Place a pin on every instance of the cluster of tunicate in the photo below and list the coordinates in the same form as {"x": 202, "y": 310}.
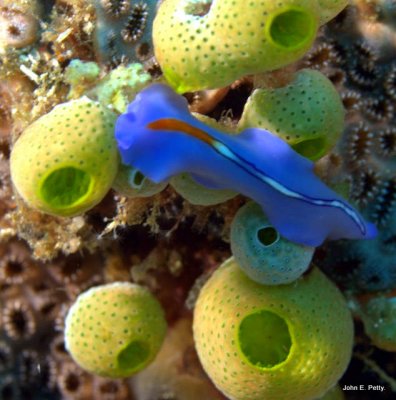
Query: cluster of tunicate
{"x": 307, "y": 113}
{"x": 210, "y": 44}
{"x": 123, "y": 30}
{"x": 65, "y": 162}
{"x": 356, "y": 53}
{"x": 255, "y": 163}
{"x": 272, "y": 342}
{"x": 115, "y": 330}
{"x": 262, "y": 253}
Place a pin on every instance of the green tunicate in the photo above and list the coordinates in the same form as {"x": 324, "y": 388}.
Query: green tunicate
{"x": 201, "y": 45}
{"x": 262, "y": 253}
{"x": 65, "y": 162}
{"x": 330, "y": 8}
{"x": 308, "y": 113}
{"x": 197, "y": 194}
{"x": 130, "y": 182}
{"x": 379, "y": 318}
{"x": 272, "y": 342}
{"x": 115, "y": 330}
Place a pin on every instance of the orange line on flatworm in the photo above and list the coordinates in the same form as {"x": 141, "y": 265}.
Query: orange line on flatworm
{"x": 172, "y": 124}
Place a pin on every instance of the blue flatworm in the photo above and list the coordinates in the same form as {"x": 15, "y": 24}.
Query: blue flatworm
{"x": 159, "y": 136}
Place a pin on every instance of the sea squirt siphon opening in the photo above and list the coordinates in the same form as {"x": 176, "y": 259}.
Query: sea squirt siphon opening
{"x": 65, "y": 186}
{"x": 291, "y": 28}
{"x": 312, "y": 149}
{"x": 267, "y": 236}
{"x": 264, "y": 339}
{"x": 133, "y": 355}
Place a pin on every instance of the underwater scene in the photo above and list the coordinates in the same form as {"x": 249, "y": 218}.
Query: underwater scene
{"x": 197, "y": 199}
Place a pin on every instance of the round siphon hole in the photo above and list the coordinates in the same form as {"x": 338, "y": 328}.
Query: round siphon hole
{"x": 267, "y": 236}
{"x": 312, "y": 149}
{"x": 291, "y": 28}
{"x": 133, "y": 355}
{"x": 264, "y": 339}
{"x": 65, "y": 186}
{"x": 137, "y": 179}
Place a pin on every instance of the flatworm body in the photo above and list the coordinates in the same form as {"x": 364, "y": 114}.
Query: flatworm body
{"x": 159, "y": 136}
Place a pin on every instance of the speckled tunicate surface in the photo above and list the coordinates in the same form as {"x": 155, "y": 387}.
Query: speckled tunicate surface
{"x": 210, "y": 44}
{"x": 65, "y": 162}
{"x": 260, "y": 251}
{"x": 115, "y": 330}
{"x": 198, "y": 194}
{"x": 309, "y": 319}
{"x": 307, "y": 113}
